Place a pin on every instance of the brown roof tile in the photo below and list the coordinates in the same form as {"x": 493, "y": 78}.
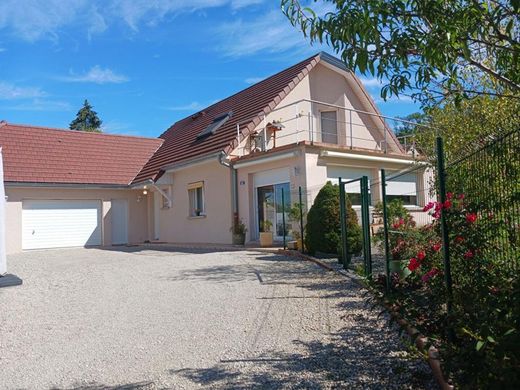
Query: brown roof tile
{"x": 180, "y": 140}
{"x": 45, "y": 155}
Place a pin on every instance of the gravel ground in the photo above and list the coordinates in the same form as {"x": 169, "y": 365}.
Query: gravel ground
{"x": 151, "y": 318}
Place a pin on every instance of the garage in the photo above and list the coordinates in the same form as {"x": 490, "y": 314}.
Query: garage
{"x": 60, "y": 223}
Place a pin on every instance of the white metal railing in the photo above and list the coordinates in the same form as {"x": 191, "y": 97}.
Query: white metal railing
{"x": 303, "y": 121}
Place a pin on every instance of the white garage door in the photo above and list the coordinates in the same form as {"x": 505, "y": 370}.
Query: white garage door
{"x": 60, "y": 223}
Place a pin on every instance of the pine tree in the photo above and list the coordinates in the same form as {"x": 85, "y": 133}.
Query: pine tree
{"x": 86, "y": 119}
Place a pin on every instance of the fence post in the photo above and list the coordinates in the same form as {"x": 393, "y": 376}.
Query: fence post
{"x": 441, "y": 173}
{"x": 283, "y": 220}
{"x": 385, "y": 229}
{"x": 365, "y": 223}
{"x": 343, "y": 224}
{"x": 301, "y": 217}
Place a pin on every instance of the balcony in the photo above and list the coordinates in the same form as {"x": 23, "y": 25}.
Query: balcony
{"x": 326, "y": 124}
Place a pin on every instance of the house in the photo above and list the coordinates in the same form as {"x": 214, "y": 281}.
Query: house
{"x": 309, "y": 123}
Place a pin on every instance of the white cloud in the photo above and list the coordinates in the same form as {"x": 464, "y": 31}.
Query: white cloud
{"x": 41, "y": 105}
{"x": 271, "y": 33}
{"x": 10, "y": 91}
{"x": 237, "y": 4}
{"x": 371, "y": 82}
{"x": 38, "y": 19}
{"x": 193, "y": 106}
{"x": 97, "y": 75}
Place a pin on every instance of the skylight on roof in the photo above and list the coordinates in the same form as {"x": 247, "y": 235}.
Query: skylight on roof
{"x": 216, "y": 124}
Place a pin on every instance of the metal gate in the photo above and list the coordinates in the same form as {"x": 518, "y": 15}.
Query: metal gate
{"x": 365, "y": 223}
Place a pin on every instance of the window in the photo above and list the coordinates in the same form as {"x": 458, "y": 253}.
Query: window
{"x": 215, "y": 125}
{"x": 196, "y": 197}
{"x": 403, "y": 187}
{"x": 329, "y": 127}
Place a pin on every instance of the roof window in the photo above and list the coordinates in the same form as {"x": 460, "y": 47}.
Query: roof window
{"x": 215, "y": 125}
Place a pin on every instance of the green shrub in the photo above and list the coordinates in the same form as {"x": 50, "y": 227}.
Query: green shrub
{"x": 323, "y": 230}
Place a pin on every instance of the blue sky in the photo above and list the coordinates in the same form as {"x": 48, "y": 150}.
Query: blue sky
{"x": 142, "y": 64}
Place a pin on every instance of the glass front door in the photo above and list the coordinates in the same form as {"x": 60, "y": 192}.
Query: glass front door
{"x": 271, "y": 209}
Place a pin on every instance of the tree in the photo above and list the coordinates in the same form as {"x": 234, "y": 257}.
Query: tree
{"x": 86, "y": 119}
{"x": 425, "y": 47}
{"x": 467, "y": 125}
{"x": 323, "y": 230}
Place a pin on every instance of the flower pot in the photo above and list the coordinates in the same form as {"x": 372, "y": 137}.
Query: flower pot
{"x": 400, "y": 266}
{"x": 239, "y": 239}
{"x": 266, "y": 238}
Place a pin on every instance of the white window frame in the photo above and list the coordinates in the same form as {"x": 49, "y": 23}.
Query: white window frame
{"x": 323, "y": 134}
{"x": 193, "y": 205}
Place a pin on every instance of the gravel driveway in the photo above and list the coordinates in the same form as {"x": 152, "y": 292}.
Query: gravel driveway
{"x": 150, "y": 318}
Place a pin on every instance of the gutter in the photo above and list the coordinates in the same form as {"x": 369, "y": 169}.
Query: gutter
{"x": 234, "y": 183}
{"x": 195, "y": 161}
{"x": 265, "y": 159}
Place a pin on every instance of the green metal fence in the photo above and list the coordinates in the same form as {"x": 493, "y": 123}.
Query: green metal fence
{"x": 492, "y": 194}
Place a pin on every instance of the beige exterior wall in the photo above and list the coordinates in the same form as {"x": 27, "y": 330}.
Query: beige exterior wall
{"x": 175, "y": 225}
{"x": 137, "y": 213}
{"x": 302, "y": 120}
{"x": 247, "y": 207}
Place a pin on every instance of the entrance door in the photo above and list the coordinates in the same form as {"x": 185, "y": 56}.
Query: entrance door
{"x": 119, "y": 212}
{"x": 271, "y": 210}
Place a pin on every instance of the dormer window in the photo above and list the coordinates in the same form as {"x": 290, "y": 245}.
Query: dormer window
{"x": 215, "y": 125}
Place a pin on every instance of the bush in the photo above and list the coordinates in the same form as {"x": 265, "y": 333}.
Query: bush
{"x": 323, "y": 230}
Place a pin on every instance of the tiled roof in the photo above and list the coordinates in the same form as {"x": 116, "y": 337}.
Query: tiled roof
{"x": 181, "y": 142}
{"x": 45, "y": 155}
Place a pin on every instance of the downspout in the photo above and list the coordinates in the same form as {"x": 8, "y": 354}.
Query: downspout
{"x": 234, "y": 185}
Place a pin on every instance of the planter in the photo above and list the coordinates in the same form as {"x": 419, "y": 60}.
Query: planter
{"x": 400, "y": 266}
{"x": 239, "y": 239}
{"x": 266, "y": 238}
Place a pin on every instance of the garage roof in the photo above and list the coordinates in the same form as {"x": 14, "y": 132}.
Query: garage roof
{"x": 45, "y": 155}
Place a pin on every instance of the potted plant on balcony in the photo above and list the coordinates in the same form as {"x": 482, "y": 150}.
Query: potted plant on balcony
{"x": 266, "y": 236}
{"x": 239, "y": 232}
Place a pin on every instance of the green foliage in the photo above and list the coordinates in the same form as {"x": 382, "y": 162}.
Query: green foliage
{"x": 86, "y": 119}
{"x": 420, "y": 45}
{"x": 238, "y": 227}
{"x": 467, "y": 125}
{"x": 402, "y": 232}
{"x": 323, "y": 229}
{"x": 295, "y": 216}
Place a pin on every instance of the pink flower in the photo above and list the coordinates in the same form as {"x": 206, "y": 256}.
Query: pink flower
{"x": 429, "y": 206}
{"x": 414, "y": 264}
{"x": 447, "y": 204}
{"x": 436, "y": 247}
{"x": 469, "y": 254}
{"x": 460, "y": 196}
{"x": 459, "y": 239}
{"x": 430, "y": 274}
{"x": 421, "y": 256}
{"x": 449, "y": 195}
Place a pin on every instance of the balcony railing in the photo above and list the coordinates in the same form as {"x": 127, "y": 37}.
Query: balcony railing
{"x": 324, "y": 123}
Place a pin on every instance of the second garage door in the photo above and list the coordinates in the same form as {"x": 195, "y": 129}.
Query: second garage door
{"x": 60, "y": 223}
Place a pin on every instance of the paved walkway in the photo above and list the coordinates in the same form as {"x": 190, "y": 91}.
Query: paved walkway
{"x": 144, "y": 318}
